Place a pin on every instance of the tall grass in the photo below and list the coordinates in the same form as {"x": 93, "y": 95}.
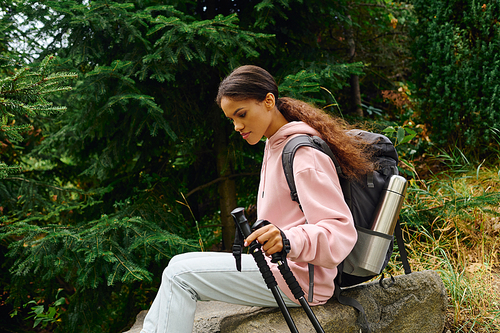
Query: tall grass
{"x": 451, "y": 223}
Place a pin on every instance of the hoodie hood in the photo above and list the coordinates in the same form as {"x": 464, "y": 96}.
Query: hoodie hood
{"x": 274, "y": 147}
{"x": 293, "y": 128}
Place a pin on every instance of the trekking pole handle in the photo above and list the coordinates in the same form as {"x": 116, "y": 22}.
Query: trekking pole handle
{"x": 255, "y": 249}
{"x": 241, "y": 221}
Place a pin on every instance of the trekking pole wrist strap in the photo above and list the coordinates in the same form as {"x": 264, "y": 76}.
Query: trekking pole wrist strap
{"x": 281, "y": 256}
{"x": 286, "y": 243}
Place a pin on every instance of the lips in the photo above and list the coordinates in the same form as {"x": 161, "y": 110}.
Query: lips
{"x": 245, "y": 135}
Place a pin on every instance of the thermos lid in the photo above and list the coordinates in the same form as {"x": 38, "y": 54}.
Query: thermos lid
{"x": 397, "y": 184}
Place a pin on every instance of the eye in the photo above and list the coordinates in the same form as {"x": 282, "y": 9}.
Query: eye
{"x": 242, "y": 114}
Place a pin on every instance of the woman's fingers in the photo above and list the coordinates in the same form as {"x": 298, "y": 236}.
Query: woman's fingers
{"x": 269, "y": 236}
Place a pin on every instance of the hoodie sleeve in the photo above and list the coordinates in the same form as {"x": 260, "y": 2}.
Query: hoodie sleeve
{"x": 329, "y": 235}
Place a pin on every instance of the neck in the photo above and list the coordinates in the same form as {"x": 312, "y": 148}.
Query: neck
{"x": 277, "y": 122}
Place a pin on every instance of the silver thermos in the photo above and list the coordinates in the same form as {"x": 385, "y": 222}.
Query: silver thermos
{"x": 391, "y": 202}
{"x": 367, "y": 257}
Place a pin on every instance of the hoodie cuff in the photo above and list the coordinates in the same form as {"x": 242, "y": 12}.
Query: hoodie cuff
{"x": 293, "y": 249}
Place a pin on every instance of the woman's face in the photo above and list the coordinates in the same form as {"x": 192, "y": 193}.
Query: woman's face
{"x": 251, "y": 119}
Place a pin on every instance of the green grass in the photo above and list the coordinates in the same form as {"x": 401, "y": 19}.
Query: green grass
{"x": 451, "y": 222}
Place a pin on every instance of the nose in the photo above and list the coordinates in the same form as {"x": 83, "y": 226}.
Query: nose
{"x": 238, "y": 126}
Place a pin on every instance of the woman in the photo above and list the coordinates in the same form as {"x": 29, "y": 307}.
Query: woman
{"x": 322, "y": 234}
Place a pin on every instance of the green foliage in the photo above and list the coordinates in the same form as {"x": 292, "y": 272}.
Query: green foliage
{"x": 374, "y": 33}
{"x": 401, "y": 134}
{"x": 23, "y": 93}
{"x": 108, "y": 186}
{"x": 118, "y": 248}
{"x": 311, "y": 84}
{"x": 456, "y": 46}
{"x": 23, "y": 96}
{"x": 45, "y": 317}
{"x": 8, "y": 29}
{"x": 402, "y": 137}
{"x": 100, "y": 207}
{"x": 203, "y": 39}
{"x": 93, "y": 257}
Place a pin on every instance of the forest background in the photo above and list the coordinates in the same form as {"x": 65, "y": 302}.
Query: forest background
{"x": 115, "y": 157}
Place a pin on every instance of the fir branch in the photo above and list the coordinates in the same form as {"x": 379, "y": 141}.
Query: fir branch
{"x": 13, "y": 132}
{"x": 22, "y": 94}
{"x": 5, "y": 170}
{"x": 109, "y": 245}
{"x": 38, "y": 183}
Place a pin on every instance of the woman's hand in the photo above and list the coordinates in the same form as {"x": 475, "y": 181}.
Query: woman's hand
{"x": 270, "y": 238}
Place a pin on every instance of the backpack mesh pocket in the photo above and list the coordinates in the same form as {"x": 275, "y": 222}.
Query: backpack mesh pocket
{"x": 370, "y": 253}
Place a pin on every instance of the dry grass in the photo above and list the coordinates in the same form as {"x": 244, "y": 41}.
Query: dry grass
{"x": 452, "y": 225}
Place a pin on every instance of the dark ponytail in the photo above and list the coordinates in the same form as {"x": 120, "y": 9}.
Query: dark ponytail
{"x": 352, "y": 154}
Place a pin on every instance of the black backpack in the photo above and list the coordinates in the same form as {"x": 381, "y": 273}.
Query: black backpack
{"x": 362, "y": 199}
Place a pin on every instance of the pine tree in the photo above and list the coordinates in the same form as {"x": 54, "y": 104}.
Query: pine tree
{"x": 101, "y": 226}
{"x": 48, "y": 242}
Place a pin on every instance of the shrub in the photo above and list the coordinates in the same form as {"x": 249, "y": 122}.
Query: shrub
{"x": 456, "y": 49}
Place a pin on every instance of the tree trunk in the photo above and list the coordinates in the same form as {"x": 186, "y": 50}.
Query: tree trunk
{"x": 356, "y": 96}
{"x": 354, "y": 81}
{"x": 227, "y": 189}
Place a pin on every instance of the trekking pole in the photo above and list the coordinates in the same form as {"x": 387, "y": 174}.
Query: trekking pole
{"x": 298, "y": 293}
{"x": 255, "y": 249}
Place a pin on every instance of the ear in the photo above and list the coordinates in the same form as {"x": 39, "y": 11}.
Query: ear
{"x": 270, "y": 101}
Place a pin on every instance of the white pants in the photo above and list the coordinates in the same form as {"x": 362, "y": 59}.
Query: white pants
{"x": 205, "y": 276}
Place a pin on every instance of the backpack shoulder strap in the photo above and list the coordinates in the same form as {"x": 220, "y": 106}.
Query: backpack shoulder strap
{"x": 344, "y": 300}
{"x": 289, "y": 152}
{"x": 402, "y": 249}
{"x": 287, "y": 160}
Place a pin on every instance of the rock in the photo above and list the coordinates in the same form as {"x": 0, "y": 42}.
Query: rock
{"x": 207, "y": 318}
{"x": 210, "y": 314}
{"x": 139, "y": 319}
{"x": 415, "y": 303}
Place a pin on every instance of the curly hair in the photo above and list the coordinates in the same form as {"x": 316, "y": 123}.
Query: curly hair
{"x": 253, "y": 82}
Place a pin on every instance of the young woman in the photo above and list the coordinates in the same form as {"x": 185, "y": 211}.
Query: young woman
{"x": 322, "y": 233}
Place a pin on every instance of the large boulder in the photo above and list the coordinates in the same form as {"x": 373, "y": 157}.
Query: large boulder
{"x": 414, "y": 303}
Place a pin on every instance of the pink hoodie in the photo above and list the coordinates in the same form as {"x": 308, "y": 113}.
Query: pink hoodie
{"x": 329, "y": 234}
